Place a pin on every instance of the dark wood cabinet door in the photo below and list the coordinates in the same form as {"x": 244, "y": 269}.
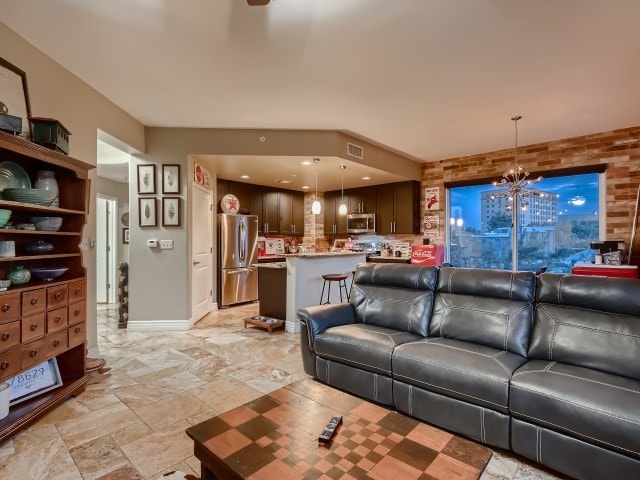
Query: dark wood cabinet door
{"x": 256, "y": 205}
{"x": 407, "y": 207}
{"x": 221, "y": 190}
{"x": 271, "y": 214}
{"x": 369, "y": 199}
{"x": 242, "y": 191}
{"x": 386, "y": 211}
{"x": 285, "y": 213}
{"x": 297, "y": 212}
{"x": 330, "y": 212}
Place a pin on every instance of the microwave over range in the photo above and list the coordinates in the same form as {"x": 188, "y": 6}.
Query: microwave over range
{"x": 361, "y": 223}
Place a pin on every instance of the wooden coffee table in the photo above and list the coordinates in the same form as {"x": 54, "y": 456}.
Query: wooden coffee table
{"x": 275, "y": 437}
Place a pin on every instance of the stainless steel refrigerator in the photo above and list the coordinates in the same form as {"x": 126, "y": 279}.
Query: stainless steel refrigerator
{"x": 237, "y": 259}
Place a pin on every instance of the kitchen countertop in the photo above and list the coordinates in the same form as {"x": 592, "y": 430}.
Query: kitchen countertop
{"x": 381, "y": 259}
{"x": 321, "y": 254}
{"x": 272, "y": 265}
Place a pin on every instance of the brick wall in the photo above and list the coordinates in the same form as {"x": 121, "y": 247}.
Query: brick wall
{"x": 618, "y": 151}
{"x": 313, "y": 224}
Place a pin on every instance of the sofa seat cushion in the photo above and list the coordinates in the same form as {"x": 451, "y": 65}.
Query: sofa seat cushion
{"x": 587, "y": 404}
{"x": 368, "y": 347}
{"x": 467, "y": 371}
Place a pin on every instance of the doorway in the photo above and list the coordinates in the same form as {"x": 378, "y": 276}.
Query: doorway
{"x": 202, "y": 248}
{"x": 106, "y": 248}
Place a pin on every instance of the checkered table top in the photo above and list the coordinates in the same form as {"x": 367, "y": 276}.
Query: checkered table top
{"x": 275, "y": 436}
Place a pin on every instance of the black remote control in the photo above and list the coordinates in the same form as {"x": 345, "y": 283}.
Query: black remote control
{"x": 327, "y": 433}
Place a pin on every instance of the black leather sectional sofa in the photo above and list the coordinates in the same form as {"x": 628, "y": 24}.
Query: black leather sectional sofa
{"x": 547, "y": 366}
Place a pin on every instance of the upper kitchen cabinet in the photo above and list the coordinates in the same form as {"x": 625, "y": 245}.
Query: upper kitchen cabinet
{"x": 242, "y": 192}
{"x": 291, "y": 212}
{"x": 362, "y": 200}
{"x": 334, "y": 223}
{"x": 398, "y": 208}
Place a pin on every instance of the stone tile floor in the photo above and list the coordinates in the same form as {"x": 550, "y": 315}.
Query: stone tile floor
{"x": 131, "y": 424}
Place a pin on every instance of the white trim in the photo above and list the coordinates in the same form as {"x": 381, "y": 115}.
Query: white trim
{"x": 94, "y": 352}
{"x": 292, "y": 327}
{"x": 159, "y": 325}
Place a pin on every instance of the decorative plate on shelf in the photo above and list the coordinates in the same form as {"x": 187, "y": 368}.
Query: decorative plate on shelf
{"x": 13, "y": 175}
{"x": 230, "y": 204}
{"x": 125, "y": 219}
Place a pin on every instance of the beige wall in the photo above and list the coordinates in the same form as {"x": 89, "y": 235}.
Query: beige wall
{"x": 55, "y": 92}
{"x": 120, "y": 191}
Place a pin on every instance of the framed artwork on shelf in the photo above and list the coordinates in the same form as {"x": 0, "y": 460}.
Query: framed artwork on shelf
{"x": 146, "y": 179}
{"x": 147, "y": 212}
{"x": 125, "y": 235}
{"x": 34, "y": 381}
{"x": 170, "y": 211}
{"x": 171, "y": 179}
{"x": 15, "y": 97}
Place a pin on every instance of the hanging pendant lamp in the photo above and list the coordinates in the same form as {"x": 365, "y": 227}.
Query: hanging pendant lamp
{"x": 316, "y": 207}
{"x": 342, "y": 209}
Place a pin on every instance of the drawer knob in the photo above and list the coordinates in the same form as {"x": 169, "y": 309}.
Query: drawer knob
{"x": 33, "y": 353}
{"x": 58, "y": 318}
{"x": 34, "y": 327}
{"x": 6, "y": 307}
{"x": 77, "y": 330}
{"x": 76, "y": 312}
{"x": 34, "y": 301}
{"x": 5, "y": 337}
{"x": 56, "y": 343}
{"x": 58, "y": 296}
{"x": 4, "y": 366}
{"x": 77, "y": 291}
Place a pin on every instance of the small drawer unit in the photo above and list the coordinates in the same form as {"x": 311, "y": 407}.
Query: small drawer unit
{"x": 9, "y": 307}
{"x": 33, "y": 353}
{"x": 77, "y": 334}
{"x": 33, "y": 327}
{"x": 77, "y": 313}
{"x": 56, "y": 343}
{"x": 57, "y": 320}
{"x": 10, "y": 363}
{"x": 34, "y": 301}
{"x": 77, "y": 291}
{"x": 9, "y": 335}
{"x": 57, "y": 296}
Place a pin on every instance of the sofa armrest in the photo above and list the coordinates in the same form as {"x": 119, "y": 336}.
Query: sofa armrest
{"x": 320, "y": 317}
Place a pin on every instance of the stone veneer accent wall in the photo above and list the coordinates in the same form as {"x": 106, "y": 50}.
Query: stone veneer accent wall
{"x": 617, "y": 150}
{"x": 313, "y": 224}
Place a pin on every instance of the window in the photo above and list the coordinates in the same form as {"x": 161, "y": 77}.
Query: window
{"x": 554, "y": 231}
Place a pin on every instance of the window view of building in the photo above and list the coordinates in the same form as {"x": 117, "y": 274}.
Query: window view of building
{"x": 554, "y": 231}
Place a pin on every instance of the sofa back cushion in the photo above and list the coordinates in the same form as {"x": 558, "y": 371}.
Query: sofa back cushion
{"x": 397, "y": 296}
{"x": 591, "y": 322}
{"x": 488, "y": 307}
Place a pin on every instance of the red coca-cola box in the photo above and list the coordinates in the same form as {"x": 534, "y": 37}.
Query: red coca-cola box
{"x": 427, "y": 254}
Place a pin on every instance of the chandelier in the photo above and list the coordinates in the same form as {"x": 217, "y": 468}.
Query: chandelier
{"x": 316, "y": 207}
{"x": 515, "y": 183}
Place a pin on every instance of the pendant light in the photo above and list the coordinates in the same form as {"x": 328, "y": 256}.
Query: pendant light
{"x": 342, "y": 209}
{"x": 315, "y": 206}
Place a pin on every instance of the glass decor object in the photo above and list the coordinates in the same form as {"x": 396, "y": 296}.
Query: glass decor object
{"x": 46, "y": 180}
{"x": 19, "y": 275}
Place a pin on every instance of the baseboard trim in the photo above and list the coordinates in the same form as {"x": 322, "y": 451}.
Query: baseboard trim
{"x": 159, "y": 325}
{"x": 292, "y": 327}
{"x": 94, "y": 352}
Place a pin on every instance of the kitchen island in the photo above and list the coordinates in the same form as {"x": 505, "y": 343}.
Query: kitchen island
{"x": 304, "y": 279}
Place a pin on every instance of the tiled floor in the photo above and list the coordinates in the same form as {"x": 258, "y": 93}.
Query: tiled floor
{"x": 131, "y": 424}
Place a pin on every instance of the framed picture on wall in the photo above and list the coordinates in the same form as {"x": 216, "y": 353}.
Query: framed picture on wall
{"x": 146, "y": 179}
{"x": 147, "y": 212}
{"x": 170, "y": 211}
{"x": 15, "y": 96}
{"x": 171, "y": 179}
{"x": 125, "y": 235}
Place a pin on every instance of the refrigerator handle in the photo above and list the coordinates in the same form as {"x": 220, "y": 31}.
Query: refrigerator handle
{"x": 243, "y": 243}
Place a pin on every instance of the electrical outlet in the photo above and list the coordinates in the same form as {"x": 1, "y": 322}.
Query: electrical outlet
{"x": 166, "y": 244}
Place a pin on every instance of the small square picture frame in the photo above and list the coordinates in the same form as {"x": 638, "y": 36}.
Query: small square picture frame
{"x": 171, "y": 211}
{"x": 147, "y": 212}
{"x": 146, "y": 179}
{"x": 125, "y": 235}
{"x": 171, "y": 178}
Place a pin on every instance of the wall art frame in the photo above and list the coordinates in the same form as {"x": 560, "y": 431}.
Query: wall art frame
{"x": 147, "y": 212}
{"x": 125, "y": 235}
{"x": 171, "y": 178}
{"x": 171, "y": 211}
{"x": 147, "y": 179}
{"x": 14, "y": 96}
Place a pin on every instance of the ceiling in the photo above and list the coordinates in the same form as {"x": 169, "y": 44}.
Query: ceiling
{"x": 433, "y": 79}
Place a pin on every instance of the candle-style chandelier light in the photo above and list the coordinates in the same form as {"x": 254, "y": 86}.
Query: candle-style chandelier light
{"x": 514, "y": 185}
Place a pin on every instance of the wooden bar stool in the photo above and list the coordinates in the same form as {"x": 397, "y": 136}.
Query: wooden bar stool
{"x": 334, "y": 277}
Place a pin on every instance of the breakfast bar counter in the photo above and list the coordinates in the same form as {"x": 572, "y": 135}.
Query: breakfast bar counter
{"x": 304, "y": 279}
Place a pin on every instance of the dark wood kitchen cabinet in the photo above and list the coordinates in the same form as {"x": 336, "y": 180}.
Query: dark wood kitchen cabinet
{"x": 398, "y": 208}
{"x": 280, "y": 212}
{"x": 291, "y": 212}
{"x": 334, "y": 223}
{"x": 239, "y": 189}
{"x": 362, "y": 200}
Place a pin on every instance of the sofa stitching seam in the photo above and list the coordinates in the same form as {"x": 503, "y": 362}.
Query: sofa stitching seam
{"x": 435, "y": 365}
{"x": 580, "y": 378}
{"x": 373, "y": 367}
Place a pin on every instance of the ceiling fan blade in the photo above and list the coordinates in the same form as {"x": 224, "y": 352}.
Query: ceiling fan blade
{"x": 256, "y": 3}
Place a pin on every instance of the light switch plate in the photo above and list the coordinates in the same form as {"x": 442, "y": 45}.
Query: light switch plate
{"x": 166, "y": 244}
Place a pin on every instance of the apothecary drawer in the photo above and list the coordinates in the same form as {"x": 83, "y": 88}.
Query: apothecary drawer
{"x": 77, "y": 291}
{"x": 9, "y": 307}
{"x": 9, "y": 363}
{"x": 33, "y": 353}
{"x": 77, "y": 312}
{"x": 9, "y": 335}
{"x": 57, "y": 320}
{"x": 77, "y": 334}
{"x": 57, "y": 296}
{"x": 34, "y": 301}
{"x": 56, "y": 343}
{"x": 33, "y": 327}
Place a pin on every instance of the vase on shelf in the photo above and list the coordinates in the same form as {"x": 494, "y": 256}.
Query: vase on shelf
{"x": 46, "y": 180}
{"x": 19, "y": 275}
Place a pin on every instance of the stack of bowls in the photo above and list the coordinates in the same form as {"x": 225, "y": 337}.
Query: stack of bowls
{"x": 51, "y": 224}
{"x": 36, "y": 196}
{"x": 4, "y": 216}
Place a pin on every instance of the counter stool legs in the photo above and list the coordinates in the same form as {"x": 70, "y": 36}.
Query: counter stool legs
{"x": 342, "y": 283}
